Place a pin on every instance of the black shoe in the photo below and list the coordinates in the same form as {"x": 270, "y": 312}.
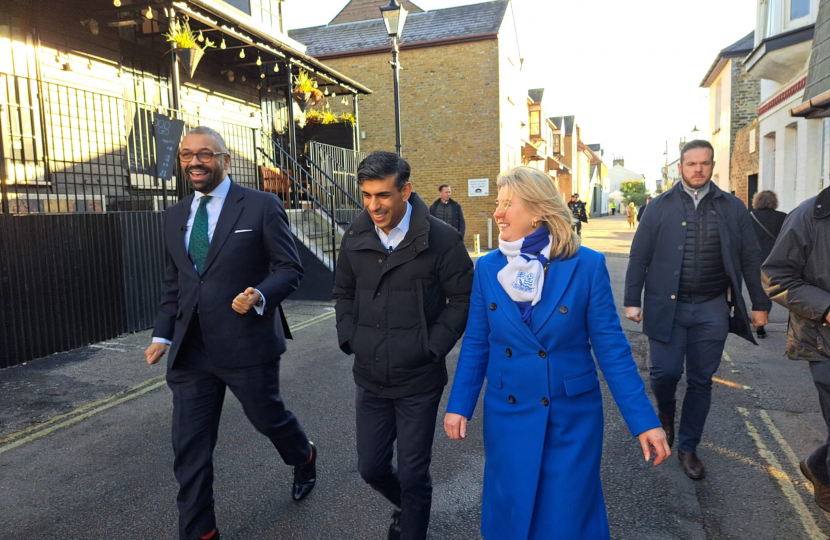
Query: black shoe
{"x": 395, "y": 527}
{"x": 667, "y": 423}
{"x": 305, "y": 476}
{"x": 692, "y": 465}
{"x": 761, "y": 333}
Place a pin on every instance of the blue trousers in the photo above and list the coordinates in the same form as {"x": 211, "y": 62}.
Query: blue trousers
{"x": 198, "y": 395}
{"x": 698, "y": 334}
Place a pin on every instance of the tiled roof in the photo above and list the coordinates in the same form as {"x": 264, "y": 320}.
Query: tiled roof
{"x": 536, "y": 95}
{"x": 739, "y": 49}
{"x": 457, "y": 22}
{"x": 818, "y": 78}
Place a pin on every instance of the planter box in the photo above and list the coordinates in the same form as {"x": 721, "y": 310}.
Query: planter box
{"x": 341, "y": 135}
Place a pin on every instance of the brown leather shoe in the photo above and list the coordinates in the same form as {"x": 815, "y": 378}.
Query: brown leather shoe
{"x": 692, "y": 465}
{"x": 667, "y": 422}
{"x": 821, "y": 491}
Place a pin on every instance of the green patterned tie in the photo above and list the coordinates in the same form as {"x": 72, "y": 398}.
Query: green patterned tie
{"x": 199, "y": 241}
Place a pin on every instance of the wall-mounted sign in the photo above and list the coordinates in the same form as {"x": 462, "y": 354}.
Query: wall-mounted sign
{"x": 167, "y": 133}
{"x": 478, "y": 187}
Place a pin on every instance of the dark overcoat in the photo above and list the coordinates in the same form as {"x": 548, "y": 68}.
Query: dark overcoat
{"x": 657, "y": 256}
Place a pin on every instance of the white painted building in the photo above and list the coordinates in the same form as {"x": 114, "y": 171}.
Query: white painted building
{"x": 792, "y": 148}
{"x": 619, "y": 174}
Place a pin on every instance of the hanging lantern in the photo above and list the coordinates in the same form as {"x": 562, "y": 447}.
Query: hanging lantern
{"x": 258, "y": 60}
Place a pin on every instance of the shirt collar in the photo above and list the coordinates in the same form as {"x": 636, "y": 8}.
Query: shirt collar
{"x": 702, "y": 192}
{"x": 403, "y": 226}
{"x": 219, "y": 192}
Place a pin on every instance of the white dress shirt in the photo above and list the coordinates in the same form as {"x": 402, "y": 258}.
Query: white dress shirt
{"x": 214, "y": 208}
{"x": 397, "y": 234}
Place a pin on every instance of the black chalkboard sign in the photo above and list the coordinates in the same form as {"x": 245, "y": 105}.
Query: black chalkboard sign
{"x": 139, "y": 157}
{"x": 167, "y": 133}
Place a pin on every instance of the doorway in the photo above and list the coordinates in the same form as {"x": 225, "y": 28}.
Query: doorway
{"x": 752, "y": 189}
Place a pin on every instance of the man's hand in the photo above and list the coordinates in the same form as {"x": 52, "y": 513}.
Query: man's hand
{"x": 654, "y": 440}
{"x": 634, "y": 314}
{"x": 759, "y": 318}
{"x": 154, "y": 353}
{"x": 243, "y": 303}
{"x": 455, "y": 425}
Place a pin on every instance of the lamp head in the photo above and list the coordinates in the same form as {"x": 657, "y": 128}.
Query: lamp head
{"x": 394, "y": 17}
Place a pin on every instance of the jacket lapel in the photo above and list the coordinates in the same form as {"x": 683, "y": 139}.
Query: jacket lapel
{"x": 179, "y": 215}
{"x": 227, "y": 219}
{"x": 556, "y": 283}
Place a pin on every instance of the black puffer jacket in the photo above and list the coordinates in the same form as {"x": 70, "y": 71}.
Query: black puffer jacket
{"x": 702, "y": 276}
{"x": 392, "y": 309}
{"x": 797, "y": 275}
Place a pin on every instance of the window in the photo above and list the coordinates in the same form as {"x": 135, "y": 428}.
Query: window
{"x": 534, "y": 124}
{"x": 718, "y": 107}
{"x": 557, "y": 144}
{"x": 799, "y": 9}
{"x": 267, "y": 12}
{"x": 770, "y": 18}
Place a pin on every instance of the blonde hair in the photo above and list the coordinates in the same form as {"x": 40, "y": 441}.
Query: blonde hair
{"x": 540, "y": 197}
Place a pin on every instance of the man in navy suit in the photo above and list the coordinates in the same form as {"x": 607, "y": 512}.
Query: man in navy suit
{"x": 230, "y": 262}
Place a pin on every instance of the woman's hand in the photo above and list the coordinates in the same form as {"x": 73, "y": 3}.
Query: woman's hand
{"x": 456, "y": 426}
{"x": 653, "y": 439}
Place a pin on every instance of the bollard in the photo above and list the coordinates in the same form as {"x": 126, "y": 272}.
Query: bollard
{"x": 478, "y": 244}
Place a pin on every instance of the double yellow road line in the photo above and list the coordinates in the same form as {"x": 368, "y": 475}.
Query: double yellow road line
{"x": 83, "y": 412}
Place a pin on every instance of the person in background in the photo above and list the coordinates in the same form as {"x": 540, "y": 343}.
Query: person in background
{"x": 642, "y": 209}
{"x": 767, "y": 221}
{"x": 796, "y": 276}
{"x": 579, "y": 212}
{"x": 631, "y": 213}
{"x": 448, "y": 210}
{"x": 613, "y": 207}
{"x": 540, "y": 305}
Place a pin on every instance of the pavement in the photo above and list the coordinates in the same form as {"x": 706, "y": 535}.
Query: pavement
{"x": 85, "y": 451}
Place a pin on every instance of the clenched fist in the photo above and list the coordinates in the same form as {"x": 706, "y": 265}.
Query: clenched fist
{"x": 243, "y": 303}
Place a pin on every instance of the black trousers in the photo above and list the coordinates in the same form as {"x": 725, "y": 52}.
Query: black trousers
{"x": 410, "y": 420}
{"x": 198, "y": 394}
{"x": 819, "y": 460}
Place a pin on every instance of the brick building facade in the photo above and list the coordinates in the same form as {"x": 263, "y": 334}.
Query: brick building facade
{"x": 461, "y": 98}
{"x": 744, "y": 165}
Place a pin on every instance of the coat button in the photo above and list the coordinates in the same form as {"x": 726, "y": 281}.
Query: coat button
{"x": 378, "y": 294}
{"x": 380, "y": 261}
{"x": 377, "y": 326}
{"x": 543, "y": 354}
{"x": 377, "y": 360}
{"x": 680, "y": 248}
{"x": 677, "y": 272}
{"x": 545, "y": 401}
{"x": 563, "y": 309}
{"x": 493, "y": 306}
{"x": 511, "y": 399}
{"x": 684, "y": 223}
{"x": 673, "y": 297}
{"x": 508, "y": 352}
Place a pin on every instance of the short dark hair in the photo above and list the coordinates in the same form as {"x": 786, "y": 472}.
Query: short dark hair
{"x": 765, "y": 200}
{"x": 379, "y": 165}
{"x": 440, "y": 189}
{"x": 697, "y": 143}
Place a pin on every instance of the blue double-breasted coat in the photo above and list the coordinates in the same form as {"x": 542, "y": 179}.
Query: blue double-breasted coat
{"x": 543, "y": 419}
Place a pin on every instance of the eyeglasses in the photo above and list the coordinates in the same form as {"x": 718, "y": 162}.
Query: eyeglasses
{"x": 204, "y": 156}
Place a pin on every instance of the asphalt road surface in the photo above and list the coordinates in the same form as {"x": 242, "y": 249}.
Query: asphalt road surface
{"x": 85, "y": 451}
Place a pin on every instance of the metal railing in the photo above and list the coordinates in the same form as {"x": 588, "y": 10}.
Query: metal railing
{"x": 339, "y": 166}
{"x": 307, "y": 201}
{"x": 71, "y": 150}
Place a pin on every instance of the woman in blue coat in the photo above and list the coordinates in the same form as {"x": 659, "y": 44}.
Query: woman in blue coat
{"x": 539, "y": 305}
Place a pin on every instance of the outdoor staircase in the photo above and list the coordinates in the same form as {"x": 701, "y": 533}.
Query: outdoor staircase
{"x": 320, "y": 193}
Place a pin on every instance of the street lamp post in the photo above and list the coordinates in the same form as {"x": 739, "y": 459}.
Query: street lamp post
{"x": 394, "y": 17}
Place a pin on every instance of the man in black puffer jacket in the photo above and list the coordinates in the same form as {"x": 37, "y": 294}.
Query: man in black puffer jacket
{"x": 402, "y": 287}
{"x": 691, "y": 251}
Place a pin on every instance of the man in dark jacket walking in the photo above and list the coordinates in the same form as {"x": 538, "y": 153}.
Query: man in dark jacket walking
{"x": 691, "y": 251}
{"x": 402, "y": 288}
{"x": 796, "y": 276}
{"x": 448, "y": 210}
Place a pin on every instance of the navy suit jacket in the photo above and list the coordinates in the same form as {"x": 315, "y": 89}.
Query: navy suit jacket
{"x": 252, "y": 246}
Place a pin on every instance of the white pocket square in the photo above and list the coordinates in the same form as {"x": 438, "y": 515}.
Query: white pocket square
{"x": 243, "y": 230}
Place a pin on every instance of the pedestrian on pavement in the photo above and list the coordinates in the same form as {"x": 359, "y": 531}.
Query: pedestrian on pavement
{"x": 642, "y": 209}
{"x": 692, "y": 250}
{"x": 448, "y": 210}
{"x": 613, "y": 207}
{"x": 402, "y": 288}
{"x": 540, "y": 305}
{"x": 767, "y": 221}
{"x": 579, "y": 212}
{"x": 796, "y": 276}
{"x": 230, "y": 262}
{"x": 631, "y": 214}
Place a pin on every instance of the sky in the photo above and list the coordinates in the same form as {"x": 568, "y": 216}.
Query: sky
{"x": 629, "y": 71}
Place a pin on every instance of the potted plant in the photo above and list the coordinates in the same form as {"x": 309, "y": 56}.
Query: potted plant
{"x": 305, "y": 91}
{"x": 187, "y": 48}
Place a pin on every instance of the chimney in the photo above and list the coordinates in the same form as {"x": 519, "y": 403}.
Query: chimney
{"x": 619, "y": 160}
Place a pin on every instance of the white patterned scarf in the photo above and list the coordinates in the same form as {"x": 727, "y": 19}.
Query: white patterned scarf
{"x": 524, "y": 276}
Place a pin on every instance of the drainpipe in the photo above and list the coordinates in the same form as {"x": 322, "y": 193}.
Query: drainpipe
{"x": 292, "y": 132}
